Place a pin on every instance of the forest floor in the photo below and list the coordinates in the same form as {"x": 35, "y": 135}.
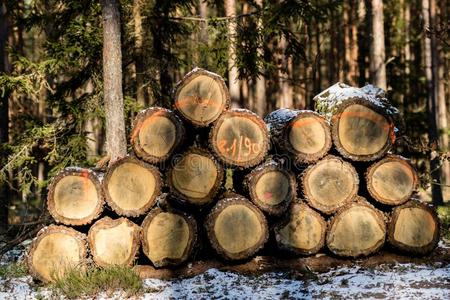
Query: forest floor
{"x": 400, "y": 281}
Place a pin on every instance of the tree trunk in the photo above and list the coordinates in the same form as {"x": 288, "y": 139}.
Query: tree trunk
{"x": 116, "y": 145}
{"x": 203, "y": 36}
{"x": 168, "y": 237}
{"x": 131, "y": 186}
{"x": 4, "y": 113}
{"x": 157, "y": 132}
{"x": 330, "y": 184}
{"x": 138, "y": 54}
{"x": 236, "y": 228}
{"x": 303, "y": 230}
{"x": 362, "y": 122}
{"x": 358, "y": 229}
{"x": 302, "y": 133}
{"x": 414, "y": 228}
{"x": 114, "y": 242}
{"x": 201, "y": 97}
{"x": 377, "y": 49}
{"x": 433, "y": 134}
{"x": 271, "y": 187}
{"x": 260, "y": 85}
{"x": 75, "y": 196}
{"x": 196, "y": 177}
{"x": 392, "y": 180}
{"x": 55, "y": 251}
{"x": 233, "y": 79}
{"x": 438, "y": 55}
{"x": 240, "y": 138}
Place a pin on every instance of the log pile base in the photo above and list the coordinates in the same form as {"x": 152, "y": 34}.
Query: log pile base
{"x": 319, "y": 263}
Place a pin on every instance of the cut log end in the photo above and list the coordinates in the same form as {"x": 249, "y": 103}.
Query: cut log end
{"x": 168, "y": 237}
{"x": 156, "y": 133}
{"x": 330, "y": 184}
{"x": 201, "y": 97}
{"x": 392, "y": 180}
{"x": 271, "y": 187}
{"x": 303, "y": 232}
{"x": 114, "y": 242}
{"x": 361, "y": 131}
{"x": 55, "y": 251}
{"x": 236, "y": 228}
{"x": 131, "y": 186}
{"x": 414, "y": 228}
{"x": 358, "y": 229}
{"x": 240, "y": 138}
{"x": 309, "y": 137}
{"x": 196, "y": 177}
{"x": 75, "y": 197}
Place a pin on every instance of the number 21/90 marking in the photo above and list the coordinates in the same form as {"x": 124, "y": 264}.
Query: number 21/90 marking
{"x": 243, "y": 146}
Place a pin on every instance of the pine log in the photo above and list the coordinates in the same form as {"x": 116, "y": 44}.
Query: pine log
{"x": 271, "y": 187}
{"x": 168, "y": 237}
{"x": 357, "y": 229}
{"x": 131, "y": 186}
{"x": 362, "y": 125}
{"x": 236, "y": 228}
{"x": 201, "y": 97}
{"x": 75, "y": 196}
{"x": 330, "y": 184}
{"x": 240, "y": 138}
{"x": 392, "y": 180}
{"x": 55, "y": 251}
{"x": 196, "y": 177}
{"x": 302, "y": 232}
{"x": 157, "y": 132}
{"x": 414, "y": 228}
{"x": 302, "y": 133}
{"x": 114, "y": 242}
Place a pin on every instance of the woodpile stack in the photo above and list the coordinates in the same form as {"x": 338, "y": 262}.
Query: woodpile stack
{"x": 204, "y": 180}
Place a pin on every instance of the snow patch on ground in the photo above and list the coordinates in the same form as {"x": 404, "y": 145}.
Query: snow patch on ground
{"x": 403, "y": 281}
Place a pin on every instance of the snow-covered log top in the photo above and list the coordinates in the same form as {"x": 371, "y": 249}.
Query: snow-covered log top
{"x": 328, "y": 101}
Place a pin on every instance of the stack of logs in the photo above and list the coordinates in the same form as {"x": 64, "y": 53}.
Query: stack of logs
{"x": 205, "y": 180}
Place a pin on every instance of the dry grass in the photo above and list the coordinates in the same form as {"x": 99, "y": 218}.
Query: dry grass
{"x": 77, "y": 283}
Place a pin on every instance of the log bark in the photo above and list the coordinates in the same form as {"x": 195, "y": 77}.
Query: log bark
{"x": 236, "y": 228}
{"x": 157, "y": 132}
{"x": 131, "y": 186}
{"x": 114, "y": 242}
{"x": 75, "y": 196}
{"x": 55, "y": 251}
{"x": 362, "y": 121}
{"x": 302, "y": 133}
{"x": 330, "y": 184}
{"x": 414, "y": 228}
{"x": 358, "y": 229}
{"x": 201, "y": 97}
{"x": 196, "y": 177}
{"x": 239, "y": 138}
{"x": 302, "y": 232}
{"x": 271, "y": 187}
{"x": 392, "y": 180}
{"x": 168, "y": 237}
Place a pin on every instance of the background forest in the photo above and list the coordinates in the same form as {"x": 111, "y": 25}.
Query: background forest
{"x": 272, "y": 53}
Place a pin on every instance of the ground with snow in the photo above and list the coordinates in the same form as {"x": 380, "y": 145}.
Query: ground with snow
{"x": 405, "y": 281}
